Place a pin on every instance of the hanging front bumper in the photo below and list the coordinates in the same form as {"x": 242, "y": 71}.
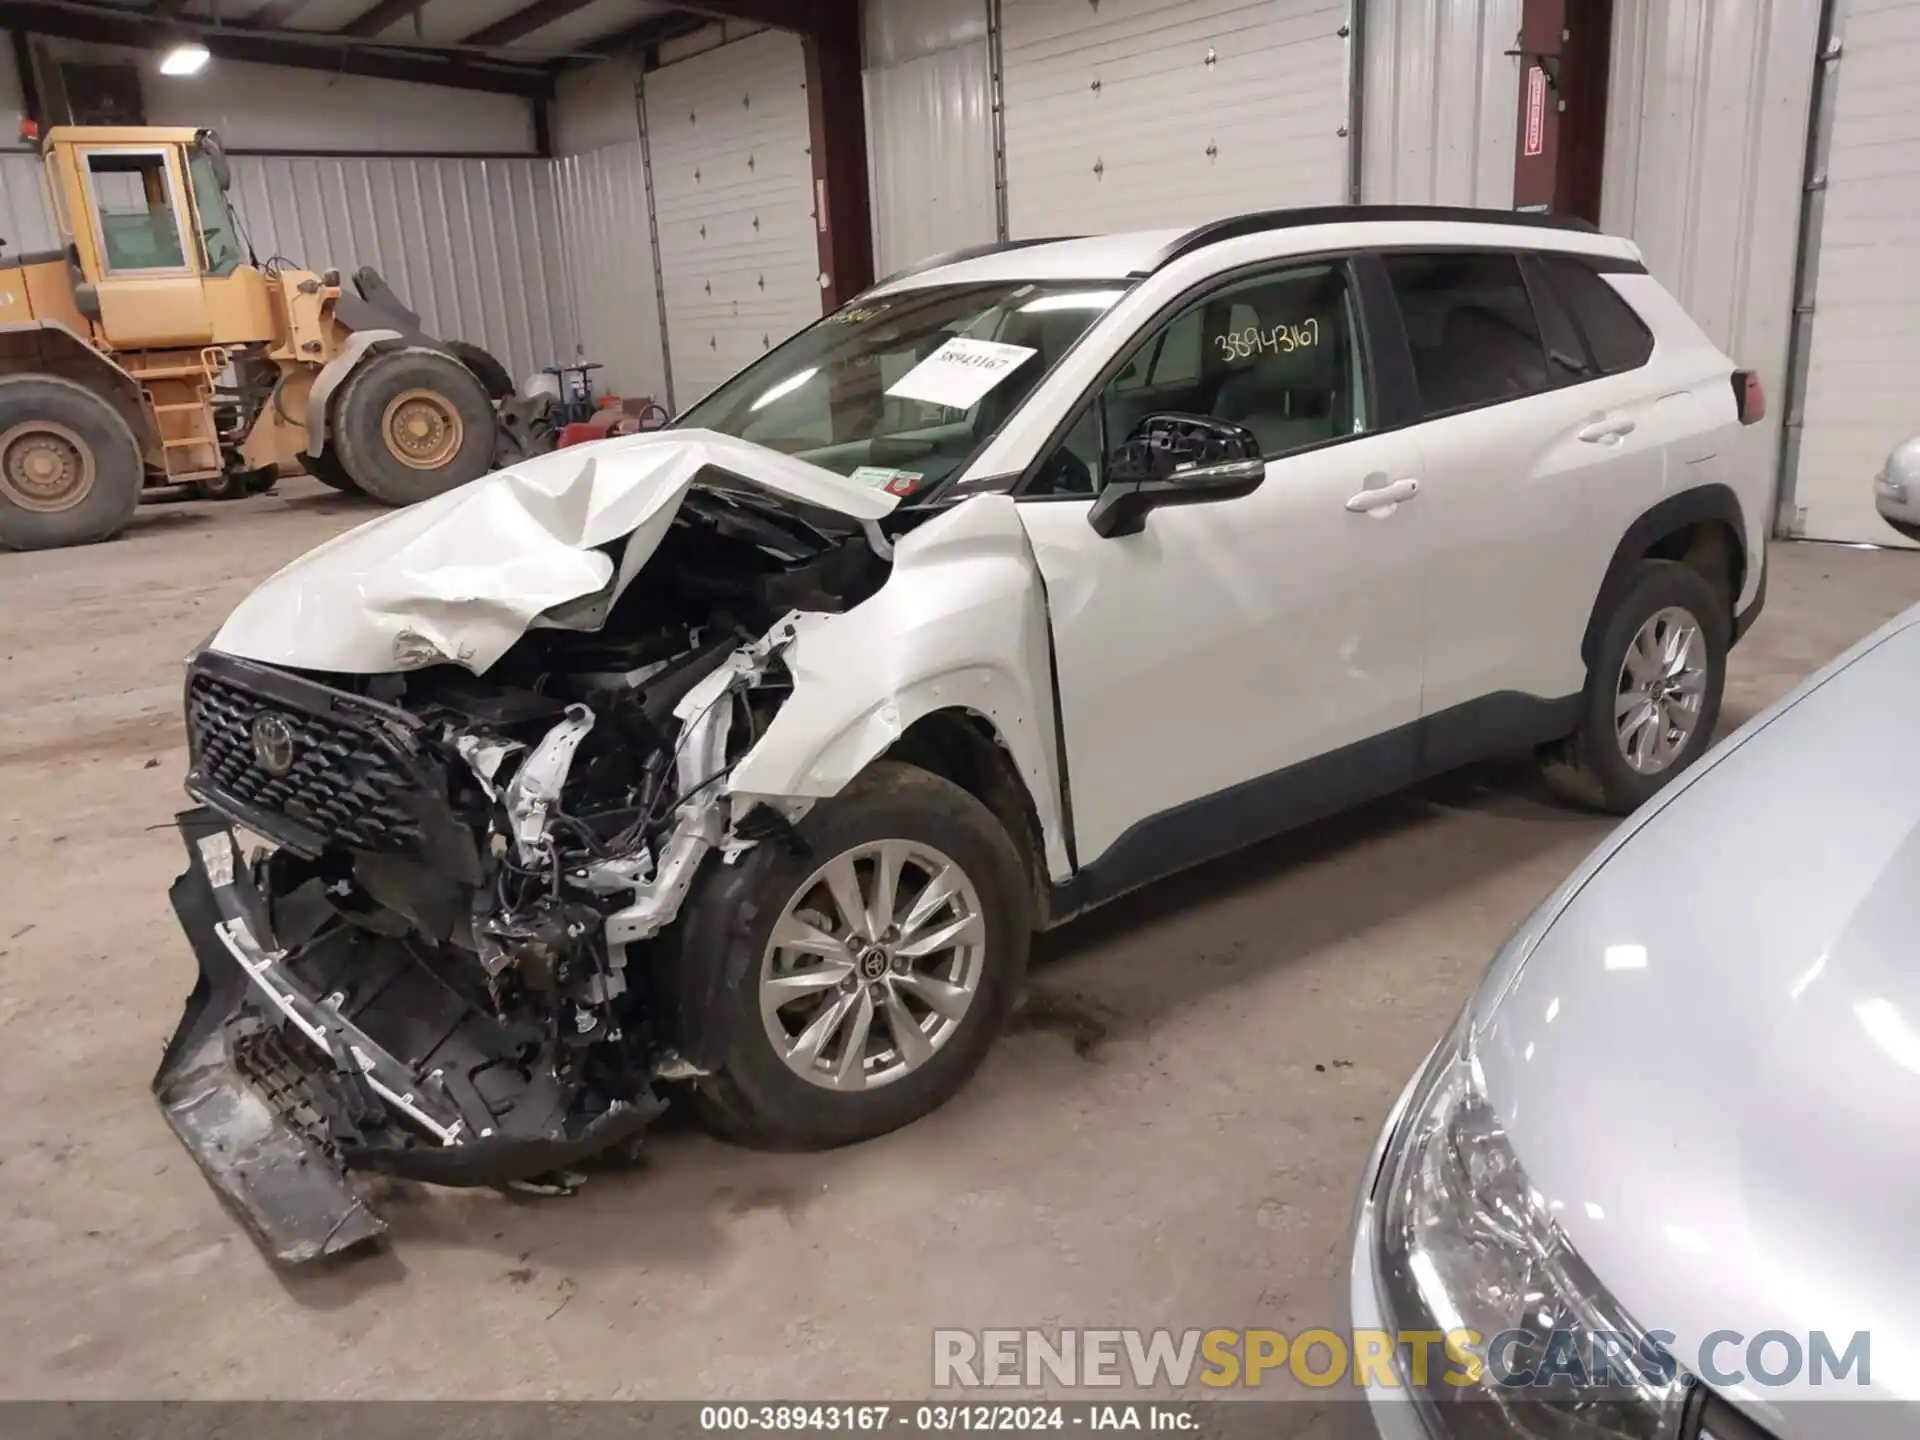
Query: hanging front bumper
{"x": 281, "y": 1096}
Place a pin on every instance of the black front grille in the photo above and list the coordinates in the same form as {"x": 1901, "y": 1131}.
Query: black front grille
{"x": 341, "y": 786}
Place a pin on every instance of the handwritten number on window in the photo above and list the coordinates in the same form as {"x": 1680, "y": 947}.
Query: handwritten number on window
{"x": 1282, "y": 339}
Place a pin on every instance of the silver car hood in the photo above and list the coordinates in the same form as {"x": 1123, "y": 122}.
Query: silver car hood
{"x": 1709, "y": 1062}
{"x": 553, "y": 540}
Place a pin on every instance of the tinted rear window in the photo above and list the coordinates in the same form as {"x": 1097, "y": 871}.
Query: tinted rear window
{"x": 1471, "y": 327}
{"x": 1618, "y": 338}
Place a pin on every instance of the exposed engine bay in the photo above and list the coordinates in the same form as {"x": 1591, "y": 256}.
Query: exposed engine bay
{"x": 454, "y": 960}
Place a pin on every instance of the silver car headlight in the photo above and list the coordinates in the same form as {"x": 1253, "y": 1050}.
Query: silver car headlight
{"x": 1465, "y": 1243}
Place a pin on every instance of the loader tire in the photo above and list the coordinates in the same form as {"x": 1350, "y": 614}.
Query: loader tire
{"x": 325, "y": 467}
{"x": 70, "y": 470}
{"x": 412, "y": 424}
{"x": 487, "y": 370}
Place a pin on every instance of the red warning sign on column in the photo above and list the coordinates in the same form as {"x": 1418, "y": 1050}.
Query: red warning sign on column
{"x": 1535, "y": 140}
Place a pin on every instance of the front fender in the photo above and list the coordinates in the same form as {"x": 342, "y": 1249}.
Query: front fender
{"x": 961, "y": 624}
{"x": 333, "y": 374}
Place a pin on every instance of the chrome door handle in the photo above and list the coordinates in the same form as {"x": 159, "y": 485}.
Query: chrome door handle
{"x": 1608, "y": 430}
{"x": 1382, "y": 497}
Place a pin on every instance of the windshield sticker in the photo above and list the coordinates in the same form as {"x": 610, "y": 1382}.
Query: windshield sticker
{"x": 960, "y": 372}
{"x": 881, "y": 477}
{"x": 857, "y": 314}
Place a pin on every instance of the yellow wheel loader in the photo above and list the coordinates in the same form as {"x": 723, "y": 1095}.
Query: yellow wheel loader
{"x": 151, "y": 350}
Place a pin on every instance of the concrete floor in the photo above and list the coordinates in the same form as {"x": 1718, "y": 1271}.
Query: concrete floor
{"x": 1171, "y": 1135}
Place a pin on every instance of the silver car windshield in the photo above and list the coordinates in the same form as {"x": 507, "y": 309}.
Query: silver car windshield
{"x": 897, "y": 391}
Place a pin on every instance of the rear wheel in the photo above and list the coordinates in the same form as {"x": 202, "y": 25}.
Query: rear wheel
{"x": 70, "y": 471}
{"x": 412, "y": 424}
{"x": 1653, "y": 691}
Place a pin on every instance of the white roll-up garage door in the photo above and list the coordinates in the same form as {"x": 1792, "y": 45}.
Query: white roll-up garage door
{"x": 1135, "y": 114}
{"x": 1863, "y": 375}
{"x": 733, "y": 195}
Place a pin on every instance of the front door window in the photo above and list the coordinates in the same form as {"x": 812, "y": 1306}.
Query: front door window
{"x": 1274, "y": 352}
{"x": 139, "y": 210}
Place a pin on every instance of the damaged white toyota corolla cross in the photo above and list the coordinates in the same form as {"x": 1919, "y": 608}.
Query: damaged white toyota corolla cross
{"x": 740, "y": 760}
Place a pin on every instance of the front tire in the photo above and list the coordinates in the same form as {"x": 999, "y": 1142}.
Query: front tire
{"x": 1653, "y": 691}
{"x": 70, "y": 470}
{"x": 412, "y": 424}
{"x": 865, "y": 979}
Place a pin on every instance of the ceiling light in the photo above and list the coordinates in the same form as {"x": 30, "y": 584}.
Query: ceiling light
{"x": 187, "y": 59}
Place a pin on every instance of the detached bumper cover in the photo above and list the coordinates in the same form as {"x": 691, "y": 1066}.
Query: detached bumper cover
{"x": 279, "y": 1095}
{"x": 293, "y": 1196}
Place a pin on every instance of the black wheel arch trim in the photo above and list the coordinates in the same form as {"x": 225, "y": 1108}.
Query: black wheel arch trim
{"x": 1212, "y": 826}
{"x": 1715, "y": 501}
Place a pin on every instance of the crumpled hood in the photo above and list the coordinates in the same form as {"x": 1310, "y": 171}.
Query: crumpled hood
{"x": 1709, "y": 1064}
{"x": 463, "y": 576}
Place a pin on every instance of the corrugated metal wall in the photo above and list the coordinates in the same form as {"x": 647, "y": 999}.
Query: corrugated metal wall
{"x": 603, "y": 196}
{"x": 1706, "y": 148}
{"x": 601, "y": 189}
{"x": 929, "y": 128}
{"x": 474, "y": 245}
{"x": 272, "y": 108}
{"x": 1441, "y": 102}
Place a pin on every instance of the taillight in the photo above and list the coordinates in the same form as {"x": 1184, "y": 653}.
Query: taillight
{"x": 1749, "y": 397}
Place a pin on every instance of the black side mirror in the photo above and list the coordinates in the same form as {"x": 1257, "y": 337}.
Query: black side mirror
{"x": 1175, "y": 460}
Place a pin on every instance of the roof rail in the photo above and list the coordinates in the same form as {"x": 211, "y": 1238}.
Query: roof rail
{"x": 1261, "y": 221}
{"x": 971, "y": 252}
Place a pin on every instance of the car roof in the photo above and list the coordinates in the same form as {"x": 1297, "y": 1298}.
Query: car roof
{"x": 1134, "y": 254}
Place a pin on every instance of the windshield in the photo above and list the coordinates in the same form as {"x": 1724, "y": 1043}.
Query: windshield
{"x": 218, "y": 235}
{"x": 896, "y": 392}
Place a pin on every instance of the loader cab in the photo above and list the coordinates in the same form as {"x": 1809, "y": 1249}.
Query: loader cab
{"x": 160, "y": 258}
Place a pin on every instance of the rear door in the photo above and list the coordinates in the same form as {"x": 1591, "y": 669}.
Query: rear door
{"x": 1525, "y": 444}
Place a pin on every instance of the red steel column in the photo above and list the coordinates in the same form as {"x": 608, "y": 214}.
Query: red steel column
{"x": 1564, "y": 51}
{"x": 1536, "y": 151}
{"x": 836, "y": 115}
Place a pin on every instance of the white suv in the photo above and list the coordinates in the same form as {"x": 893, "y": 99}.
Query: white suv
{"x": 742, "y": 758}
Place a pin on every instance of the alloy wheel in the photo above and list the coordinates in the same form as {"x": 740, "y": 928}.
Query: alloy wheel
{"x": 873, "y": 964}
{"x": 1662, "y": 686}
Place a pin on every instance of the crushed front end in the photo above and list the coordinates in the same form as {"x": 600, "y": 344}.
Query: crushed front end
{"x": 442, "y": 964}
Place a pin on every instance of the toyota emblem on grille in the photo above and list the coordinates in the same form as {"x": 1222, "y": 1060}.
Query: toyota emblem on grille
{"x": 273, "y": 744}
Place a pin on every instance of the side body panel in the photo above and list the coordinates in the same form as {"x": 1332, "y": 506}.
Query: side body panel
{"x": 239, "y": 308}
{"x": 1232, "y": 640}
{"x": 961, "y": 624}
{"x": 1518, "y": 545}
{"x": 33, "y": 288}
{"x": 1701, "y": 423}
